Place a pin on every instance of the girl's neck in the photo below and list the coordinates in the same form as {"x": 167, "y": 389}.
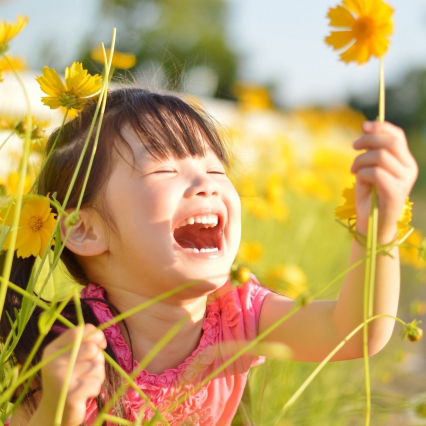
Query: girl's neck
{"x": 149, "y": 325}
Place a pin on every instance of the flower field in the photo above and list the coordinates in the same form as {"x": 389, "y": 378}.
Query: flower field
{"x": 292, "y": 171}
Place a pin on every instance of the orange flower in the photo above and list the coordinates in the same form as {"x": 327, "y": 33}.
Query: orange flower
{"x": 363, "y": 28}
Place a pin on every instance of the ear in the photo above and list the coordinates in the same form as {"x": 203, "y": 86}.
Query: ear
{"x": 87, "y": 237}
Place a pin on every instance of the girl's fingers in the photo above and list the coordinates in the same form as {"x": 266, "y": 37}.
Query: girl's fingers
{"x": 385, "y": 128}
{"x": 379, "y": 158}
{"x": 90, "y": 387}
{"x": 387, "y": 185}
{"x": 89, "y": 366}
{"x": 388, "y": 136}
{"x": 96, "y": 337}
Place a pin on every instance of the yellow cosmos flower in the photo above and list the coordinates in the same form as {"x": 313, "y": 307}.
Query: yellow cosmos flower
{"x": 36, "y": 225}
{"x": 119, "y": 59}
{"x": 10, "y": 184}
{"x": 289, "y": 280}
{"x": 9, "y": 30}
{"x": 364, "y": 27}
{"x": 78, "y": 88}
{"x": 252, "y": 97}
{"x": 18, "y": 64}
{"x": 250, "y": 251}
{"x": 409, "y": 250}
{"x": 348, "y": 210}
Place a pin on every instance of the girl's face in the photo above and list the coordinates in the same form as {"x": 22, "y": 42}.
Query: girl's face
{"x": 178, "y": 220}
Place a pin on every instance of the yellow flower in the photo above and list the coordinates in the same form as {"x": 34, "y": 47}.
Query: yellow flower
{"x": 11, "y": 183}
{"x": 250, "y": 251}
{"x": 8, "y": 122}
{"x": 36, "y": 225}
{"x": 409, "y": 250}
{"x": 8, "y": 30}
{"x": 364, "y": 26}
{"x": 307, "y": 182}
{"x": 119, "y": 59}
{"x": 348, "y": 209}
{"x": 252, "y": 97}
{"x": 18, "y": 64}
{"x": 288, "y": 279}
{"x": 78, "y": 88}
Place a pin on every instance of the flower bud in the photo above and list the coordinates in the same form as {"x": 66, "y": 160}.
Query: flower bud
{"x": 72, "y": 219}
{"x": 240, "y": 274}
{"x": 412, "y": 332}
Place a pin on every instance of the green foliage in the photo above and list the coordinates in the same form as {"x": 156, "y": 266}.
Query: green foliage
{"x": 174, "y": 36}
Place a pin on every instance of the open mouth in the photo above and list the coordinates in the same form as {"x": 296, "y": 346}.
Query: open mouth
{"x": 200, "y": 233}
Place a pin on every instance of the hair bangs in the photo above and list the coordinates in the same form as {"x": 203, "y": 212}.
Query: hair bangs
{"x": 168, "y": 126}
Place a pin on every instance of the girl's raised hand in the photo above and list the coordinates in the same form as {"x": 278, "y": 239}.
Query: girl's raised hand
{"x": 86, "y": 380}
{"x": 389, "y": 165}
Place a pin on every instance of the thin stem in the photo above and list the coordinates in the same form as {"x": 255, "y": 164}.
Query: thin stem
{"x": 145, "y": 361}
{"x": 311, "y": 377}
{"x": 4, "y": 279}
{"x": 381, "y": 116}
{"x": 51, "y": 150}
{"x": 133, "y": 385}
{"x": 8, "y": 137}
{"x": 73, "y": 358}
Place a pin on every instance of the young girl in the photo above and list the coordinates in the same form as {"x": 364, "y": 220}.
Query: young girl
{"x": 159, "y": 211}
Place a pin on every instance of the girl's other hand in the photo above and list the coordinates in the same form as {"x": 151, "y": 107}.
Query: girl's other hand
{"x": 86, "y": 380}
{"x": 389, "y": 165}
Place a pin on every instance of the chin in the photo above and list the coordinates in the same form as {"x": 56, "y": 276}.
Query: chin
{"x": 203, "y": 284}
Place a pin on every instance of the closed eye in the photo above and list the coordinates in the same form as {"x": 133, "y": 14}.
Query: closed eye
{"x": 165, "y": 171}
{"x": 216, "y": 172}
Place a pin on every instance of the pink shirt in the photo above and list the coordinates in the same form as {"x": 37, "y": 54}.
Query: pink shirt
{"x": 232, "y": 317}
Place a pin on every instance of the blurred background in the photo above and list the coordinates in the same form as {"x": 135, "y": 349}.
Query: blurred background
{"x": 290, "y": 110}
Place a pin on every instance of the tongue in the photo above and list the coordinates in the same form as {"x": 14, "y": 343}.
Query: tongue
{"x": 194, "y": 236}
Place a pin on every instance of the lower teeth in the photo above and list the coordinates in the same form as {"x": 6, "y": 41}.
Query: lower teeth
{"x": 203, "y": 250}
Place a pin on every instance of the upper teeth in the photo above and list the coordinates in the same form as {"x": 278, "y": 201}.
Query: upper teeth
{"x": 208, "y": 220}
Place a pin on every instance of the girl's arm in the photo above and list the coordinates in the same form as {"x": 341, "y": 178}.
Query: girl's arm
{"x": 315, "y": 330}
{"x": 86, "y": 380}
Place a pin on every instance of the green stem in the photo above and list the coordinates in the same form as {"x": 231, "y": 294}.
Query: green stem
{"x": 4, "y": 279}
{"x": 309, "y": 379}
{"x": 43, "y": 333}
{"x": 73, "y": 358}
{"x": 133, "y": 385}
{"x": 99, "y": 107}
{"x": 8, "y": 137}
{"x": 145, "y": 361}
{"x": 370, "y": 267}
{"x": 50, "y": 152}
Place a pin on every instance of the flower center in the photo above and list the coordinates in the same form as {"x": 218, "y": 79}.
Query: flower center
{"x": 35, "y": 223}
{"x": 363, "y": 28}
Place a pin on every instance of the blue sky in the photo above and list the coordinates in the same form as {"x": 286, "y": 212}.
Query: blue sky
{"x": 280, "y": 41}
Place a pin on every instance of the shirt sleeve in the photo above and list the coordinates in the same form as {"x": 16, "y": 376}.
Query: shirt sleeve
{"x": 241, "y": 308}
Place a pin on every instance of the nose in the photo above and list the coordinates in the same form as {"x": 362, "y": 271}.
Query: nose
{"x": 202, "y": 185}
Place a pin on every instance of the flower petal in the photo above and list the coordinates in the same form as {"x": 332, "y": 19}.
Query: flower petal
{"x": 339, "y": 39}
{"x": 24, "y": 237}
{"x": 50, "y": 82}
{"x": 50, "y": 223}
{"x": 44, "y": 240}
{"x": 340, "y": 17}
{"x": 358, "y": 52}
{"x": 357, "y": 6}
{"x": 52, "y": 102}
{"x": 378, "y": 46}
